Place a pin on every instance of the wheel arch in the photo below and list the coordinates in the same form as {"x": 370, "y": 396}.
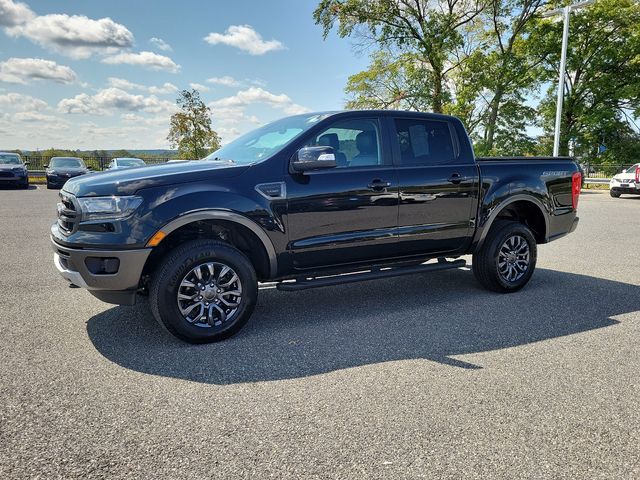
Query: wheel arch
{"x": 231, "y": 227}
{"x": 524, "y": 208}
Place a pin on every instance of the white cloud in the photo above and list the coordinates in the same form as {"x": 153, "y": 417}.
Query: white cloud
{"x": 254, "y": 95}
{"x": 51, "y": 122}
{"x": 134, "y": 118}
{"x": 233, "y": 116}
{"x": 21, "y": 70}
{"x": 227, "y": 81}
{"x": 76, "y": 36}
{"x": 123, "y": 84}
{"x": 14, "y": 13}
{"x": 245, "y": 38}
{"x": 199, "y": 87}
{"x": 165, "y": 89}
{"x": 160, "y": 44}
{"x": 21, "y": 103}
{"x": 149, "y": 60}
{"x": 111, "y": 99}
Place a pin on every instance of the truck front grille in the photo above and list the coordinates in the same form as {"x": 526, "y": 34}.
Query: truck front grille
{"x": 68, "y": 216}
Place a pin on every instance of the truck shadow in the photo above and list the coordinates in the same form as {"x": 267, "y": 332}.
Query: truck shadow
{"x": 431, "y": 316}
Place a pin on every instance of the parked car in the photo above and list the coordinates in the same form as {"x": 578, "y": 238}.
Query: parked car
{"x": 119, "y": 163}
{"x": 13, "y": 171}
{"x": 61, "y": 169}
{"x": 309, "y": 201}
{"x": 627, "y": 182}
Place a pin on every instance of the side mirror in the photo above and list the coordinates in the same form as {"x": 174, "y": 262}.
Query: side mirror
{"x": 313, "y": 158}
{"x": 27, "y": 163}
{"x": 46, "y": 165}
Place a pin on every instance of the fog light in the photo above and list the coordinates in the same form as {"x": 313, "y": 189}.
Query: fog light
{"x": 102, "y": 265}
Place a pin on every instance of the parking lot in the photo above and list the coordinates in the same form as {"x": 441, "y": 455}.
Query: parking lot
{"x": 425, "y": 376}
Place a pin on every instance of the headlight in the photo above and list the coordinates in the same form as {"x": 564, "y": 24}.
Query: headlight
{"x": 108, "y": 208}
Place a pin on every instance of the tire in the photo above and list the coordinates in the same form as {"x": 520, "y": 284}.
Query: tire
{"x": 614, "y": 194}
{"x": 25, "y": 185}
{"x": 486, "y": 261}
{"x": 179, "y": 268}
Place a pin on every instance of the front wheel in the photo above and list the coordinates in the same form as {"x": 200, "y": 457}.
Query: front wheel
{"x": 507, "y": 258}
{"x": 614, "y": 194}
{"x": 203, "y": 291}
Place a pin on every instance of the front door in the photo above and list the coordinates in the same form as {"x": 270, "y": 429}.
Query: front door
{"x": 348, "y": 213}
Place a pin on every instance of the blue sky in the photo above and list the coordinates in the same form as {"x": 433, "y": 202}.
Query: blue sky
{"x": 104, "y": 75}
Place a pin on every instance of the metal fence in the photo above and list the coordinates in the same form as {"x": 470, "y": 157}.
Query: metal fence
{"x": 37, "y": 163}
{"x": 602, "y": 171}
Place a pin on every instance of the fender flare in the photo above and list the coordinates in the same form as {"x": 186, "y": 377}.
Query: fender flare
{"x": 214, "y": 214}
{"x": 482, "y": 234}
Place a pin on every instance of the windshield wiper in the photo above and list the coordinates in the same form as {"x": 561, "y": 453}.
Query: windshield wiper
{"x": 225, "y": 160}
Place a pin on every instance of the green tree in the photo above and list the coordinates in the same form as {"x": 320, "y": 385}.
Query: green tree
{"x": 390, "y": 83}
{"x": 509, "y": 69}
{"x": 427, "y": 35}
{"x": 190, "y": 129}
{"x": 602, "y": 98}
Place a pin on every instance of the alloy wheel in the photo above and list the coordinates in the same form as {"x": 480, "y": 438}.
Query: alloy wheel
{"x": 209, "y": 295}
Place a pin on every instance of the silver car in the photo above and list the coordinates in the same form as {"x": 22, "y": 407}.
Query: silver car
{"x": 125, "y": 162}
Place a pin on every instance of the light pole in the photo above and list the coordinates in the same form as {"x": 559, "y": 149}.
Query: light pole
{"x": 566, "y": 12}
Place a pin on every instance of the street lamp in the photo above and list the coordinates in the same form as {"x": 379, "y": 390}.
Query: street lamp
{"x": 566, "y": 12}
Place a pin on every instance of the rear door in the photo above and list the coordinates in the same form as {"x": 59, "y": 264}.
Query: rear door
{"x": 437, "y": 185}
{"x": 348, "y": 213}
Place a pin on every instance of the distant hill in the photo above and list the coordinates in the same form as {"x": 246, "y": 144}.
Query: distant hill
{"x": 108, "y": 153}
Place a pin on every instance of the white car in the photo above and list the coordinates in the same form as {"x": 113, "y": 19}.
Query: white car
{"x": 626, "y": 182}
{"x": 120, "y": 163}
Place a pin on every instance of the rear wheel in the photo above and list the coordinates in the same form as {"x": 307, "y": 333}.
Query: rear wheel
{"x": 614, "y": 194}
{"x": 203, "y": 291}
{"x": 507, "y": 258}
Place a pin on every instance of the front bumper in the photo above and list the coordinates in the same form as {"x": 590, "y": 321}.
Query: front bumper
{"x": 15, "y": 179}
{"x": 627, "y": 190}
{"x": 57, "y": 181}
{"x": 78, "y": 266}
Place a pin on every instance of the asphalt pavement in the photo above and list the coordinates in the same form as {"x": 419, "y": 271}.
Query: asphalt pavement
{"x": 424, "y": 376}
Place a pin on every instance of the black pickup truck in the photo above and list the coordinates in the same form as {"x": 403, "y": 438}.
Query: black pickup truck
{"x": 307, "y": 201}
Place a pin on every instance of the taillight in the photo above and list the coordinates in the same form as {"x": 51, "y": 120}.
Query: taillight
{"x": 576, "y": 185}
{"x": 637, "y": 174}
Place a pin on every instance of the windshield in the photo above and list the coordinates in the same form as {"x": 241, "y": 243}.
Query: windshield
{"x": 632, "y": 169}
{"x": 130, "y": 162}
{"x": 10, "y": 159}
{"x": 62, "y": 162}
{"x": 261, "y": 143}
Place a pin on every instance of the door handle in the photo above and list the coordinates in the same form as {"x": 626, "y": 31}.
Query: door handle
{"x": 456, "y": 178}
{"x": 378, "y": 185}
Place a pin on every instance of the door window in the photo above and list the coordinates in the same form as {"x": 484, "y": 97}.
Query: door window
{"x": 355, "y": 143}
{"x": 424, "y": 142}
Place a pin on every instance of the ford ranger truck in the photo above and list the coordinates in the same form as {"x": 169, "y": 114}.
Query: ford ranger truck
{"x": 308, "y": 201}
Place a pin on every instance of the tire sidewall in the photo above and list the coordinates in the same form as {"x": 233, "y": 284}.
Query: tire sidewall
{"x": 508, "y": 230}
{"x": 177, "y": 266}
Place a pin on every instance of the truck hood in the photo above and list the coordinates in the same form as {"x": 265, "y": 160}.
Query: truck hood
{"x": 130, "y": 180}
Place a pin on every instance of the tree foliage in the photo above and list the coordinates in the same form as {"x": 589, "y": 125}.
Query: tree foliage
{"x": 602, "y": 98}
{"x": 488, "y": 61}
{"x": 190, "y": 130}
{"x": 431, "y": 33}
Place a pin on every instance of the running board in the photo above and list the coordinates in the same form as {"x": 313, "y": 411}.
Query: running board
{"x": 374, "y": 274}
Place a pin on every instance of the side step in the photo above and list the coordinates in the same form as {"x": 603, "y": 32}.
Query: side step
{"x": 374, "y": 274}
